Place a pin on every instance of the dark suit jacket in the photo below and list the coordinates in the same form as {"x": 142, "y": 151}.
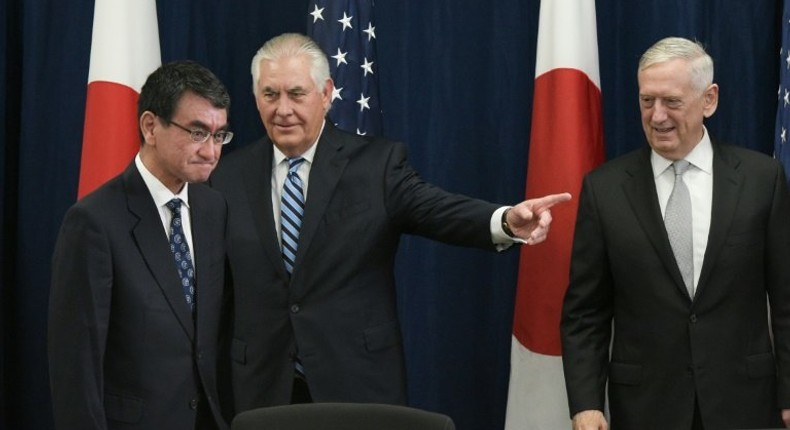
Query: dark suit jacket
{"x": 667, "y": 349}
{"x": 338, "y": 308}
{"x": 124, "y": 351}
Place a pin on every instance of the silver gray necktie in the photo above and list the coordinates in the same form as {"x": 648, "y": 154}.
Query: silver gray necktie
{"x": 677, "y": 220}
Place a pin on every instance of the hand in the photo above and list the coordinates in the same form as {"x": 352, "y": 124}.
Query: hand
{"x": 589, "y": 420}
{"x": 786, "y": 417}
{"x": 530, "y": 219}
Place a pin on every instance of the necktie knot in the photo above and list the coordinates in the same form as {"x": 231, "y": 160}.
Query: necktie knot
{"x": 293, "y": 164}
{"x": 174, "y": 206}
{"x": 680, "y": 167}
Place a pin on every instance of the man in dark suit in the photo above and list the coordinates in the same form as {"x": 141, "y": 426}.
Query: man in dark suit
{"x": 138, "y": 271}
{"x": 314, "y": 310}
{"x": 680, "y": 329}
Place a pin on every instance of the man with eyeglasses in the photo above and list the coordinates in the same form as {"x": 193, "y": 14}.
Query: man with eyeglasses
{"x": 138, "y": 271}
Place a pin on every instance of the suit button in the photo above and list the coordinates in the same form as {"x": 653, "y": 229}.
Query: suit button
{"x": 199, "y": 356}
{"x": 193, "y": 404}
{"x": 295, "y": 308}
{"x": 693, "y": 318}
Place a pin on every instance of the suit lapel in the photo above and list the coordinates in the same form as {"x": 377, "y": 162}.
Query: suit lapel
{"x": 258, "y": 187}
{"x": 152, "y": 241}
{"x": 641, "y": 192}
{"x": 327, "y": 168}
{"x": 727, "y": 185}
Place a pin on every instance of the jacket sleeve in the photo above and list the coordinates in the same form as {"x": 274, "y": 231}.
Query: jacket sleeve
{"x": 425, "y": 209}
{"x": 778, "y": 281}
{"x": 79, "y": 312}
{"x": 587, "y": 311}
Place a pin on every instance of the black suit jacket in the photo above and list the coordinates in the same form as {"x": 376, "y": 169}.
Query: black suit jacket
{"x": 124, "y": 351}
{"x": 338, "y": 308}
{"x": 668, "y": 350}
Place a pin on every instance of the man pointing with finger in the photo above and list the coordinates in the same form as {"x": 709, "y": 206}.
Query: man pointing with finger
{"x": 316, "y": 215}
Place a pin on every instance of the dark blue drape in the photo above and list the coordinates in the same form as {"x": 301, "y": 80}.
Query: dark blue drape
{"x": 456, "y": 85}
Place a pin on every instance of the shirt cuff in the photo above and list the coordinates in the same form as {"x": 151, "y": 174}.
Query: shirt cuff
{"x": 498, "y": 236}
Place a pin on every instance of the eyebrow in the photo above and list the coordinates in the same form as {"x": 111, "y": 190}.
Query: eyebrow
{"x": 203, "y": 125}
{"x": 296, "y": 88}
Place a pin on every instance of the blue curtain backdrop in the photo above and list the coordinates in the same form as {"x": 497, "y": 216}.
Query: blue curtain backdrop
{"x": 456, "y": 85}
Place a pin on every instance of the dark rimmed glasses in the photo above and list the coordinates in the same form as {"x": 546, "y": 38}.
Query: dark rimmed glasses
{"x": 200, "y": 135}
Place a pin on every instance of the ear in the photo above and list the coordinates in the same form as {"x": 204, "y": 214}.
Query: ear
{"x": 710, "y": 100}
{"x": 326, "y": 94}
{"x": 148, "y": 124}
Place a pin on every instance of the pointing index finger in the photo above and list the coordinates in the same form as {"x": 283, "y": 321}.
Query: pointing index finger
{"x": 550, "y": 200}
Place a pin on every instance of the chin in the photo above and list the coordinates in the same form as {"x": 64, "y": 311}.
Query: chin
{"x": 287, "y": 140}
{"x": 664, "y": 144}
{"x": 289, "y": 147}
{"x": 201, "y": 176}
{"x": 197, "y": 179}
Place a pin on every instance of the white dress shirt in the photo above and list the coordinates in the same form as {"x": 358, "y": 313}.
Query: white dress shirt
{"x": 699, "y": 180}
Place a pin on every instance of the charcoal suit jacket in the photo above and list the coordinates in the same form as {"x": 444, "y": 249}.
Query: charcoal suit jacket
{"x": 669, "y": 351}
{"x": 124, "y": 349}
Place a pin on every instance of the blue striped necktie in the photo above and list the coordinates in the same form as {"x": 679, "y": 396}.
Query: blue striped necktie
{"x": 181, "y": 254}
{"x": 291, "y": 212}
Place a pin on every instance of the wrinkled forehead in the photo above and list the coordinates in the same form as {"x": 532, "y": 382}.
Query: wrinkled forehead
{"x": 285, "y": 74}
{"x": 670, "y": 78}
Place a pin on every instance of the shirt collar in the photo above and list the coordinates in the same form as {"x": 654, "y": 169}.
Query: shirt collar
{"x": 701, "y": 157}
{"x": 160, "y": 193}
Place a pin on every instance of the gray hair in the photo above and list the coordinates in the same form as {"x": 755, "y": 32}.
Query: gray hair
{"x": 671, "y": 48}
{"x": 291, "y": 45}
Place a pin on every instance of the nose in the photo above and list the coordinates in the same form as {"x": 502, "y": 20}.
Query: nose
{"x": 283, "y": 106}
{"x": 209, "y": 150}
{"x": 659, "y": 112}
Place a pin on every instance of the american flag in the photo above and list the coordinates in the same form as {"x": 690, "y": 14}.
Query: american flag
{"x": 346, "y": 31}
{"x": 782, "y": 134}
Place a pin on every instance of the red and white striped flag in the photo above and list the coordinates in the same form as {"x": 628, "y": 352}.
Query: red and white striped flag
{"x": 124, "y": 51}
{"x": 566, "y": 142}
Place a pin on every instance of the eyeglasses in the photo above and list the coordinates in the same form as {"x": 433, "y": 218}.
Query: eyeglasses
{"x": 199, "y": 135}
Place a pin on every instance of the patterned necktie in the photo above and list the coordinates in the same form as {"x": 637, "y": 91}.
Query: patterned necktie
{"x": 180, "y": 250}
{"x": 291, "y": 212}
{"x": 677, "y": 220}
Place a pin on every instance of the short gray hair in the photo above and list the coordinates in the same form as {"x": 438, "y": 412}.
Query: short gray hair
{"x": 671, "y": 48}
{"x": 291, "y": 45}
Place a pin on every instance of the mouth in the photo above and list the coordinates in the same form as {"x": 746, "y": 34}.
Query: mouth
{"x": 205, "y": 164}
{"x": 663, "y": 130}
{"x": 284, "y": 126}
